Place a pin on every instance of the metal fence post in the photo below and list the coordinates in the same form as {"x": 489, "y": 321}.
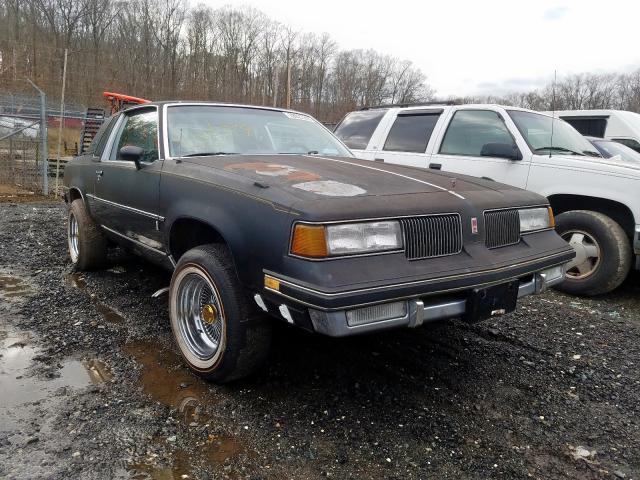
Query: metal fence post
{"x": 43, "y": 139}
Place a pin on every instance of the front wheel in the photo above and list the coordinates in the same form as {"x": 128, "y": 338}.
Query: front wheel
{"x": 219, "y": 332}
{"x": 603, "y": 252}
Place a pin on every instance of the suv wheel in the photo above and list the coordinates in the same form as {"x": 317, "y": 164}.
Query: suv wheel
{"x": 219, "y": 333}
{"x": 87, "y": 245}
{"x": 603, "y": 252}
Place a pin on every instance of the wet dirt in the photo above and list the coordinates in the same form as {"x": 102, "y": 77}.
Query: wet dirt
{"x": 109, "y": 314}
{"x": 516, "y": 398}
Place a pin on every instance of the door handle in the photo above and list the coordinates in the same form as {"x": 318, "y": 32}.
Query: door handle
{"x": 435, "y": 166}
{"x": 378, "y": 159}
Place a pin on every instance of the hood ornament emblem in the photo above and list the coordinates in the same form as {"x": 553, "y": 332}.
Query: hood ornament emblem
{"x": 453, "y": 183}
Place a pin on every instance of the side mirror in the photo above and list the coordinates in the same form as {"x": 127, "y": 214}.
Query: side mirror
{"x": 131, "y": 153}
{"x": 501, "y": 150}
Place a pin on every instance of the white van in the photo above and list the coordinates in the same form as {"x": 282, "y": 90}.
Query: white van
{"x": 596, "y": 199}
{"x": 617, "y": 125}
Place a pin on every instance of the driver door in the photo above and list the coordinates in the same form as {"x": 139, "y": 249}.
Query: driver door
{"x": 127, "y": 197}
{"x": 461, "y": 148}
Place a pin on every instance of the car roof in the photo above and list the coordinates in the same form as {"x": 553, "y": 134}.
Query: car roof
{"x": 448, "y": 106}
{"x": 212, "y": 104}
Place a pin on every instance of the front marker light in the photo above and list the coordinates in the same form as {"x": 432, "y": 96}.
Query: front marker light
{"x": 369, "y": 237}
{"x": 335, "y": 240}
{"x": 309, "y": 241}
{"x": 532, "y": 219}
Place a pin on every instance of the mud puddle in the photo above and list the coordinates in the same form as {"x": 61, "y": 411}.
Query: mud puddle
{"x": 215, "y": 452}
{"x": 22, "y": 386}
{"x": 165, "y": 379}
{"x": 12, "y": 286}
{"x": 109, "y": 314}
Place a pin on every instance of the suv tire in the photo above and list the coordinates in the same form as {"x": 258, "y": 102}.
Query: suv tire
{"x": 87, "y": 245}
{"x": 603, "y": 252}
{"x": 220, "y": 334}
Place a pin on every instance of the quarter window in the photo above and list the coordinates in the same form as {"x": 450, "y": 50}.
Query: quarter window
{"x": 140, "y": 129}
{"x": 470, "y": 130}
{"x": 102, "y": 135}
{"x": 356, "y": 128}
{"x": 411, "y": 133}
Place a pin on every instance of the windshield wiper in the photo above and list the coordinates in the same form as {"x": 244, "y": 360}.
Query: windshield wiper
{"x": 208, "y": 154}
{"x": 560, "y": 149}
{"x": 592, "y": 153}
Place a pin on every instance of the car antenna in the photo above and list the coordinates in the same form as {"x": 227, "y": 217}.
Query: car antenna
{"x": 553, "y": 108}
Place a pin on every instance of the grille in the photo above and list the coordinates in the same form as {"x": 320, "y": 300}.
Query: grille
{"x": 502, "y": 228}
{"x": 431, "y": 236}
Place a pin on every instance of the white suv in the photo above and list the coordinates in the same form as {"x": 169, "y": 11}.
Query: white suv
{"x": 597, "y": 200}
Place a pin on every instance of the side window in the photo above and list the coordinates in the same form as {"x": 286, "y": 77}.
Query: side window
{"x": 629, "y": 142}
{"x": 356, "y": 128}
{"x": 411, "y": 133}
{"x": 140, "y": 129}
{"x": 470, "y": 130}
{"x": 593, "y": 127}
{"x": 101, "y": 137}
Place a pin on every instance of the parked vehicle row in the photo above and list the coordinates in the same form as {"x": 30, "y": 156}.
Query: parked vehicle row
{"x": 596, "y": 201}
{"x": 616, "y": 125}
{"x": 262, "y": 210}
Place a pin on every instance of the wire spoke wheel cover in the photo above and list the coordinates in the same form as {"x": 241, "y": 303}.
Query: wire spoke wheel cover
{"x": 588, "y": 254}
{"x": 197, "y": 317}
{"x": 72, "y": 237}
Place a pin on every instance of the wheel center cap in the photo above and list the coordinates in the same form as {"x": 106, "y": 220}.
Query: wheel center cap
{"x": 581, "y": 254}
{"x": 209, "y": 314}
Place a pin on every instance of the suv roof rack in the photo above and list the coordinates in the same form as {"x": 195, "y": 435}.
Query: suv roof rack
{"x": 420, "y": 104}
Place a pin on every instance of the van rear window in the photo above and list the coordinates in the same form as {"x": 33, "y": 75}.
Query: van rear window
{"x": 356, "y": 128}
{"x": 592, "y": 127}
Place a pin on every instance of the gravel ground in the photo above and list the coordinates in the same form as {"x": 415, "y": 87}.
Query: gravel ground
{"x": 92, "y": 388}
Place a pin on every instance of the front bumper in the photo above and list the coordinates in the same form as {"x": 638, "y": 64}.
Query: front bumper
{"x": 419, "y": 311}
{"x": 415, "y": 310}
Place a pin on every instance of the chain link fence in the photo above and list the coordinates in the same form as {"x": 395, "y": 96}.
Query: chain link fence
{"x": 25, "y": 163}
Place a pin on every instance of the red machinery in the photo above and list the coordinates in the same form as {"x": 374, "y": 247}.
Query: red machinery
{"x": 120, "y": 101}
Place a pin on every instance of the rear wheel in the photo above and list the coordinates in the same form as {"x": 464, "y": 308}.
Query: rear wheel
{"x": 87, "y": 245}
{"x": 221, "y": 336}
{"x": 603, "y": 252}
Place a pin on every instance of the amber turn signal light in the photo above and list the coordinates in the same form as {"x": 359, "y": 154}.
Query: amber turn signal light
{"x": 271, "y": 283}
{"x": 552, "y": 219}
{"x": 309, "y": 241}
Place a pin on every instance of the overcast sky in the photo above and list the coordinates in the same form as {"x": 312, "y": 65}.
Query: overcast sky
{"x": 476, "y": 47}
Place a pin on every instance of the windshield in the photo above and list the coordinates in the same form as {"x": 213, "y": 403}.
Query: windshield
{"x": 610, "y": 149}
{"x": 218, "y": 130}
{"x": 536, "y": 130}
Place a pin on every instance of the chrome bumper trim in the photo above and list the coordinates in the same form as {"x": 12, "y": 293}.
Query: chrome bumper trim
{"x": 335, "y": 324}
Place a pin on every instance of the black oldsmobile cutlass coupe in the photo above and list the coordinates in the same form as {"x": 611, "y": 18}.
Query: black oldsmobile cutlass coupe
{"x": 263, "y": 210}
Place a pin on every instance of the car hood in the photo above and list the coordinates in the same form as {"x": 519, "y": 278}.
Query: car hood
{"x": 598, "y": 165}
{"x": 328, "y": 184}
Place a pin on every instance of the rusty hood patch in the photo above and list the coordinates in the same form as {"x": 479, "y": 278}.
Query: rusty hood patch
{"x": 274, "y": 170}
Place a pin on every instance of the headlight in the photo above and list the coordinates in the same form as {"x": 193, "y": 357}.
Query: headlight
{"x": 318, "y": 241}
{"x": 532, "y": 219}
